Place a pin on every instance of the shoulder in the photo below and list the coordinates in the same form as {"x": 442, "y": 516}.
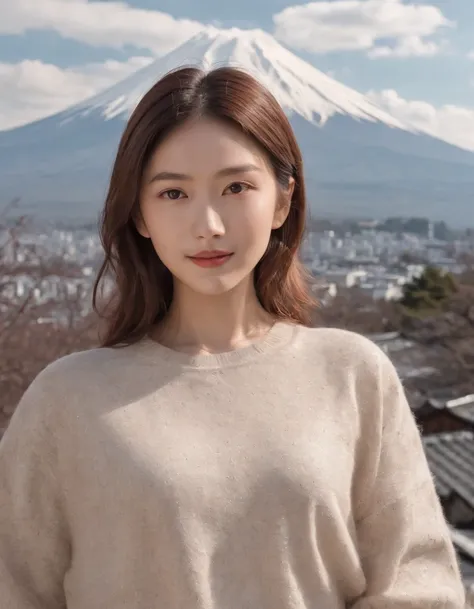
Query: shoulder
{"x": 80, "y": 369}
{"x": 344, "y": 347}
{"x": 71, "y": 380}
{"x": 347, "y": 359}
{"x": 358, "y": 368}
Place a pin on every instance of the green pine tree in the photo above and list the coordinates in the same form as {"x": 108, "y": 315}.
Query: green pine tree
{"x": 427, "y": 293}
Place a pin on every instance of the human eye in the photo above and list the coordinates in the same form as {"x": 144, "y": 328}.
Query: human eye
{"x": 237, "y": 188}
{"x": 172, "y": 193}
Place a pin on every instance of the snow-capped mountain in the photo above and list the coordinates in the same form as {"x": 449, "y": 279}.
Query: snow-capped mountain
{"x": 299, "y": 87}
{"x": 359, "y": 159}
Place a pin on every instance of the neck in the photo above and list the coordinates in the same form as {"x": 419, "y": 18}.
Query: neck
{"x": 199, "y": 323}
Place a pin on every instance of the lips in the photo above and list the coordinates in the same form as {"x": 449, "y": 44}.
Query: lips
{"x": 212, "y": 258}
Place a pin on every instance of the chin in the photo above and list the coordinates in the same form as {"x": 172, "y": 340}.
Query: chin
{"x": 215, "y": 286}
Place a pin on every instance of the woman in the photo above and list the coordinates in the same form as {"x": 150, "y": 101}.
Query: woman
{"x": 216, "y": 452}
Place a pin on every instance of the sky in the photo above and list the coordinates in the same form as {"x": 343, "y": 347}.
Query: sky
{"x": 413, "y": 57}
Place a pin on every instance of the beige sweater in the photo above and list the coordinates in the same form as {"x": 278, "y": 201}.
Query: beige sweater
{"x": 285, "y": 475}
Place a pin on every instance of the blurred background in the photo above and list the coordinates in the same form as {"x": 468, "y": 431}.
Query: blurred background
{"x": 379, "y": 93}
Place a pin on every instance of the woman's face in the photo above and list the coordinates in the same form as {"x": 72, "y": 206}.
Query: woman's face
{"x": 209, "y": 201}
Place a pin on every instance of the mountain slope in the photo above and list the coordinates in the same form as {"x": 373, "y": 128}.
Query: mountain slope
{"x": 299, "y": 87}
{"x": 361, "y": 160}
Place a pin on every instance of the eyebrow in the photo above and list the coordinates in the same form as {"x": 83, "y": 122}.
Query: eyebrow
{"x": 227, "y": 171}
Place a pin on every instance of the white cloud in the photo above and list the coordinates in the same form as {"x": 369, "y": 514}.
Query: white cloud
{"x": 103, "y": 23}
{"x": 453, "y": 124}
{"x": 409, "y": 46}
{"x": 32, "y": 89}
{"x": 382, "y": 28}
{"x": 471, "y": 55}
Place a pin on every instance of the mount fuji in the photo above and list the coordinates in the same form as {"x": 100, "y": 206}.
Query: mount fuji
{"x": 359, "y": 160}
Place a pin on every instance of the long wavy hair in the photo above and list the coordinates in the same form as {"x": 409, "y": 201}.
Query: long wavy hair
{"x": 142, "y": 287}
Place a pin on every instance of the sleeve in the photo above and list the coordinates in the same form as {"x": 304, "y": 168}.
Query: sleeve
{"x": 404, "y": 542}
{"x": 34, "y": 548}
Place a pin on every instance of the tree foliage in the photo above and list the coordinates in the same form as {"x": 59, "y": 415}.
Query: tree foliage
{"x": 27, "y": 344}
{"x": 427, "y": 293}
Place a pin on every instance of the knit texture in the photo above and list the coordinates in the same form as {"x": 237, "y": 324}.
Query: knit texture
{"x": 289, "y": 474}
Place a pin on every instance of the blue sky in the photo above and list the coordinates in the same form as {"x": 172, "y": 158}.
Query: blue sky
{"x": 414, "y": 57}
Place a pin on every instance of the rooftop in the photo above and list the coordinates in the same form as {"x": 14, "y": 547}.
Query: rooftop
{"x": 451, "y": 459}
{"x": 463, "y": 541}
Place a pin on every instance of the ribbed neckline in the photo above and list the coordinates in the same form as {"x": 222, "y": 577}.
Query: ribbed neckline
{"x": 279, "y": 335}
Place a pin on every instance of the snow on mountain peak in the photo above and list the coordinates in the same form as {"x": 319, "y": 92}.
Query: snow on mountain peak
{"x": 299, "y": 87}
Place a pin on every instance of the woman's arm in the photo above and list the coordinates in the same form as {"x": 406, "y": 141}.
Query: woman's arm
{"x": 404, "y": 542}
{"x": 34, "y": 547}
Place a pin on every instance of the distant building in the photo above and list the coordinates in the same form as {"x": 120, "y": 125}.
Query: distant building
{"x": 451, "y": 460}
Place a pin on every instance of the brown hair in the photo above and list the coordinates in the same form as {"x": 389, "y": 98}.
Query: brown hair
{"x": 143, "y": 286}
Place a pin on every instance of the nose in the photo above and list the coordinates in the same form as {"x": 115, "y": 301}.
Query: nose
{"x": 208, "y": 223}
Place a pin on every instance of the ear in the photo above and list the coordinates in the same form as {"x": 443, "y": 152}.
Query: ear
{"x": 283, "y": 206}
{"x": 140, "y": 225}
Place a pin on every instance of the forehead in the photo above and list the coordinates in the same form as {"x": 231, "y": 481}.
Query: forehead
{"x": 206, "y": 145}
